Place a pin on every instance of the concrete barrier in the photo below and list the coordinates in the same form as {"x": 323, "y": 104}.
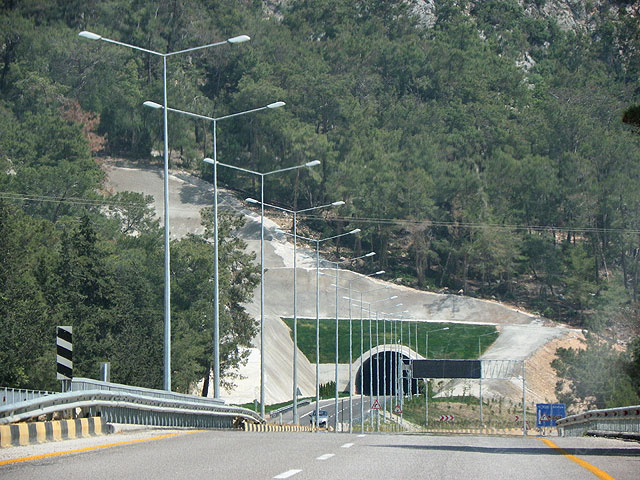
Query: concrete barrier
{"x": 40, "y": 432}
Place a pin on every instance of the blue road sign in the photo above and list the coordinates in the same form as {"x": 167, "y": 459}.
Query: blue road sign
{"x": 548, "y": 413}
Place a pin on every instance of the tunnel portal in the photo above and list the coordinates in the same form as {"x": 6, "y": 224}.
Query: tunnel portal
{"x": 375, "y": 366}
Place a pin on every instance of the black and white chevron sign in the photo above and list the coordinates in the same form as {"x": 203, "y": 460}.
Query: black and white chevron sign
{"x": 64, "y": 347}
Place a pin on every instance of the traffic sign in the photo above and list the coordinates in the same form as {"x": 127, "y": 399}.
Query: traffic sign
{"x": 447, "y": 418}
{"x": 548, "y": 413}
{"x": 397, "y": 410}
{"x": 376, "y": 405}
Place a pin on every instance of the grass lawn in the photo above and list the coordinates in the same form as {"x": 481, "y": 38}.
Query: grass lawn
{"x": 459, "y": 342}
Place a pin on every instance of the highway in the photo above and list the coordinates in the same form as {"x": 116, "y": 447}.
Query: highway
{"x": 305, "y": 411}
{"x": 244, "y": 455}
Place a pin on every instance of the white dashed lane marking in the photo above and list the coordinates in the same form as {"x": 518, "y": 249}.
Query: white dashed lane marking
{"x": 287, "y": 474}
{"x": 326, "y": 456}
{"x": 347, "y": 445}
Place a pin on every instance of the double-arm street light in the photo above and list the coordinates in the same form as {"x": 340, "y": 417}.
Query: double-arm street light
{"x": 167, "y": 285}
{"x": 379, "y": 272}
{"x": 426, "y": 383}
{"x": 295, "y": 291}
{"x": 216, "y": 286}
{"x": 262, "y": 175}
{"x": 318, "y": 242}
{"x": 480, "y": 384}
{"x": 337, "y": 270}
{"x": 362, "y": 302}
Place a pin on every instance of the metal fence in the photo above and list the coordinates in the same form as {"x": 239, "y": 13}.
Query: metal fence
{"x": 620, "y": 422}
{"x": 15, "y": 395}
{"x": 84, "y": 384}
{"x": 125, "y": 404}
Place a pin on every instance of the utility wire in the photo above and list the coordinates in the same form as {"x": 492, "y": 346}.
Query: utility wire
{"x": 369, "y": 220}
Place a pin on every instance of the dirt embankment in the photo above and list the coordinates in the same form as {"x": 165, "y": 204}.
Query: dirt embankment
{"x": 541, "y": 377}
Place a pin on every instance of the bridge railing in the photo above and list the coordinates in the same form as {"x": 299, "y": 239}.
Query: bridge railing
{"x": 83, "y": 384}
{"x": 14, "y": 395}
{"x": 618, "y": 422}
{"x": 124, "y": 404}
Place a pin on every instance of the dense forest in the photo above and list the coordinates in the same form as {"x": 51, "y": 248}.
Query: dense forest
{"x": 484, "y": 153}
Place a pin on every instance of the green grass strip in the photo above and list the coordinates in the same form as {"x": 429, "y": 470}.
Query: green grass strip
{"x": 459, "y": 342}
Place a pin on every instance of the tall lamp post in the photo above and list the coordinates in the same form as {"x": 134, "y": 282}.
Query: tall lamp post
{"x": 216, "y": 287}
{"x": 337, "y": 270}
{"x": 318, "y": 242}
{"x": 362, "y": 302}
{"x": 262, "y": 340}
{"x": 380, "y": 272}
{"x": 480, "y": 384}
{"x": 295, "y": 291}
{"x": 167, "y": 285}
{"x": 426, "y": 383}
{"x": 262, "y": 175}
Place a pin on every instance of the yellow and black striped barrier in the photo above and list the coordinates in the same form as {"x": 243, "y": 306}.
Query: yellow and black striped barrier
{"x": 272, "y": 427}
{"x": 40, "y": 432}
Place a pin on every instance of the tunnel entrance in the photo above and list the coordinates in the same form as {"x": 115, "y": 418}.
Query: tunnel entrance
{"x": 373, "y": 372}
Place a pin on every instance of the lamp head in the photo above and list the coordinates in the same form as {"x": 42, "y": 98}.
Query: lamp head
{"x": 313, "y": 163}
{"x": 251, "y": 200}
{"x": 354, "y": 231}
{"x": 209, "y": 160}
{"x": 370, "y": 254}
{"x": 379, "y": 272}
{"x": 393, "y": 298}
{"x": 337, "y": 204}
{"x": 239, "y": 39}
{"x": 276, "y": 105}
{"x": 152, "y": 104}
{"x": 90, "y": 35}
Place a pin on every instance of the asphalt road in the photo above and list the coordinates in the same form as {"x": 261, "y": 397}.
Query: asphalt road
{"x": 305, "y": 411}
{"x": 243, "y": 455}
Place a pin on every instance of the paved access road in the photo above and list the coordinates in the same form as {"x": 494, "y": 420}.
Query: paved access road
{"x": 305, "y": 411}
{"x": 243, "y": 455}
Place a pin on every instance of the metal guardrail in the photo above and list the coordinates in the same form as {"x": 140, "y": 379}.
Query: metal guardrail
{"x": 286, "y": 408}
{"x": 142, "y": 407}
{"x": 621, "y": 422}
{"x": 83, "y": 384}
{"x": 14, "y": 395}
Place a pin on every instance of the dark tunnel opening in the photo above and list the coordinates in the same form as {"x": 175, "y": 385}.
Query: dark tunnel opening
{"x": 379, "y": 369}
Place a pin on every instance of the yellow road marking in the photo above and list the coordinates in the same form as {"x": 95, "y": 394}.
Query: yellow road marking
{"x": 88, "y": 449}
{"x": 595, "y": 470}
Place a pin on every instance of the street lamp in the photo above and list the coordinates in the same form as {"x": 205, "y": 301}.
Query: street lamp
{"x": 295, "y": 291}
{"x": 318, "y": 242}
{"x": 380, "y": 272}
{"x": 480, "y": 384}
{"x": 384, "y": 357}
{"x": 167, "y": 284}
{"x": 262, "y": 175}
{"x": 370, "y": 348}
{"x": 337, "y": 264}
{"x": 426, "y": 383}
{"x": 216, "y": 288}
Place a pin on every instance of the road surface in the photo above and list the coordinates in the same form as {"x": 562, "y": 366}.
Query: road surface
{"x": 243, "y": 455}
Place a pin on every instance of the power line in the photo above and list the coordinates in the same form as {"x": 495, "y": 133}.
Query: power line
{"x": 369, "y": 220}
{"x": 67, "y": 200}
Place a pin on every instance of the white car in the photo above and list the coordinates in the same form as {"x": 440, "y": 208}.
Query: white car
{"x": 323, "y": 418}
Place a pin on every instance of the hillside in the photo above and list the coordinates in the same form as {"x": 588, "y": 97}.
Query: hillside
{"x": 478, "y": 146}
